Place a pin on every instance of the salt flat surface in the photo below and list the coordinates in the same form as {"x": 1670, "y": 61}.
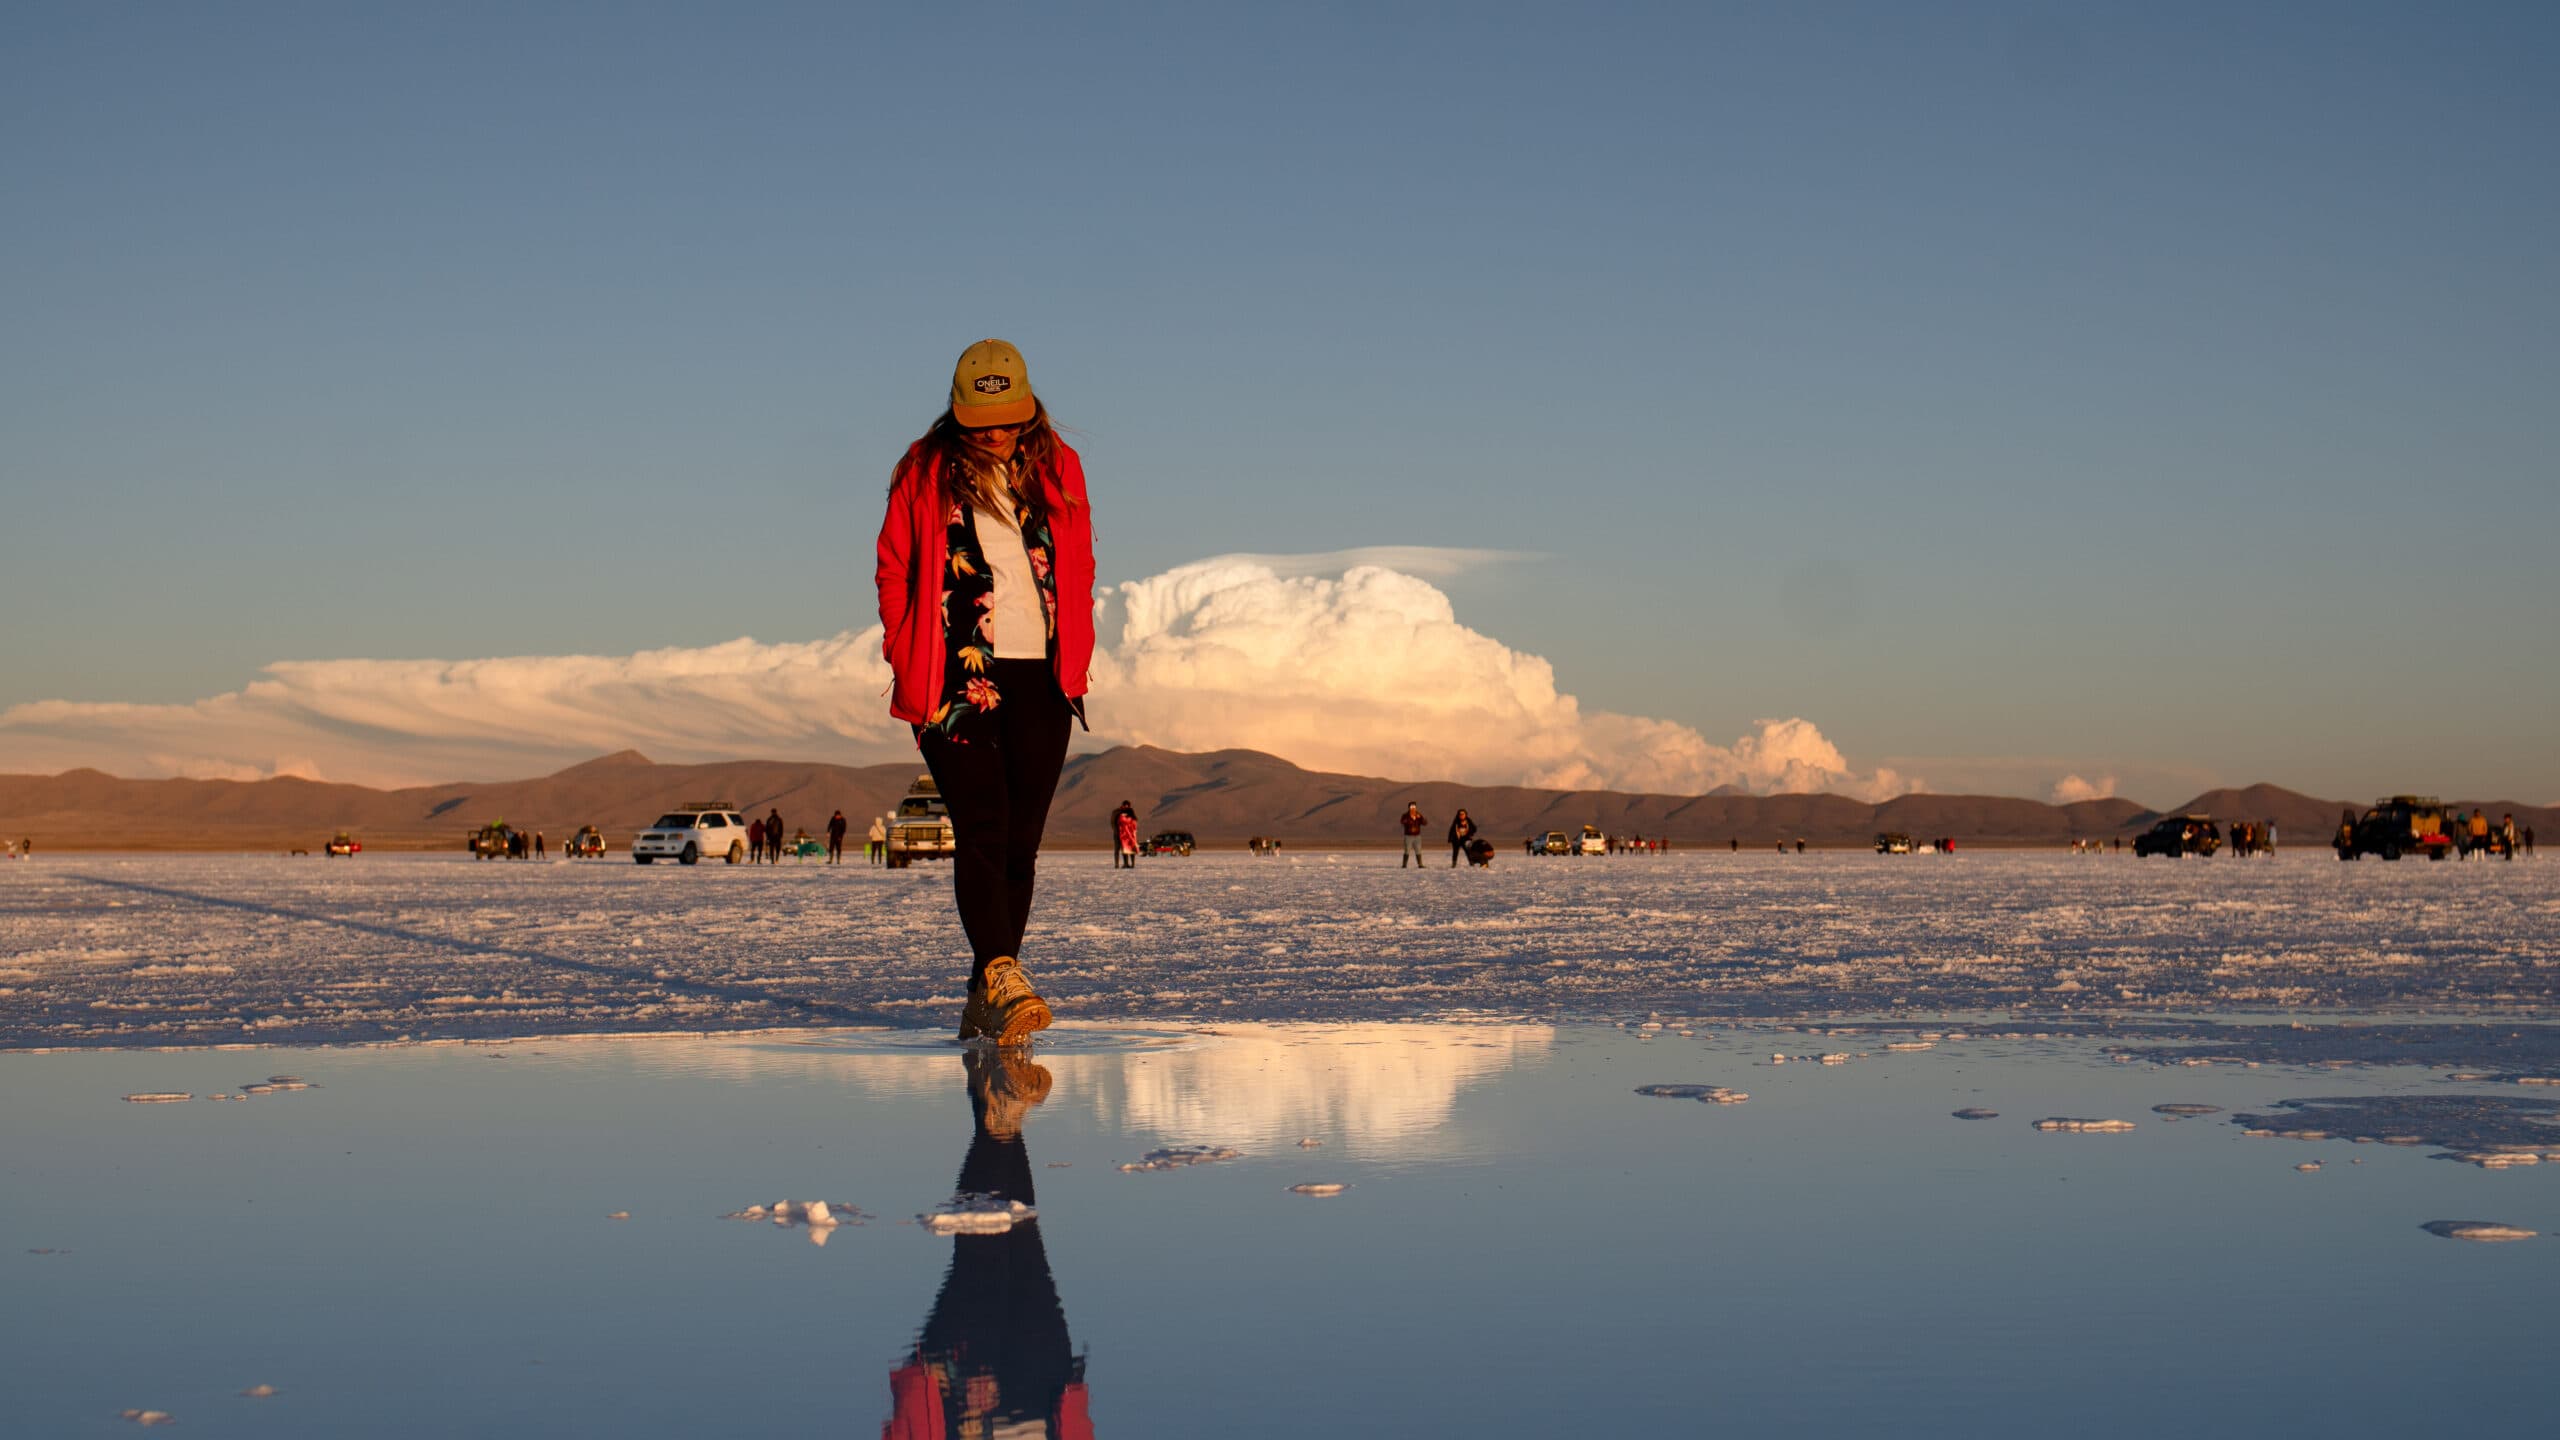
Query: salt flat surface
{"x": 108, "y": 950}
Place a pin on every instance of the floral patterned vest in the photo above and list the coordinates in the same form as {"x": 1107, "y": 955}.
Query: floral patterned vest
{"x": 968, "y": 603}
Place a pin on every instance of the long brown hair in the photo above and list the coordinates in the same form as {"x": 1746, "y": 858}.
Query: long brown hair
{"x": 967, "y": 478}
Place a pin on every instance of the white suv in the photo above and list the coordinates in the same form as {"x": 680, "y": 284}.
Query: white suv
{"x": 689, "y": 833}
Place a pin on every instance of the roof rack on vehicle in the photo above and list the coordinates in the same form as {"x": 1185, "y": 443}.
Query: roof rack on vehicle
{"x": 706, "y": 805}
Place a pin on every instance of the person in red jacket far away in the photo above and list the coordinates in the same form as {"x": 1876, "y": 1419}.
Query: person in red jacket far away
{"x": 985, "y": 574}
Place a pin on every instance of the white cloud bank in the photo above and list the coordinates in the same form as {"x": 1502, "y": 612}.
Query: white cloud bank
{"x": 1334, "y": 662}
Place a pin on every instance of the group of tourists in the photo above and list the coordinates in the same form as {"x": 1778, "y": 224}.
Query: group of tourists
{"x": 2477, "y": 836}
{"x": 764, "y": 839}
{"x": 1466, "y": 840}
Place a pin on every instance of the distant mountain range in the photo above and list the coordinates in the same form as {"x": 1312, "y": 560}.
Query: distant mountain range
{"x": 1222, "y": 797}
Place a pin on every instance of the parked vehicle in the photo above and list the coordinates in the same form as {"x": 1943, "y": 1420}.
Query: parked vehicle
{"x": 1263, "y": 844}
{"x": 689, "y": 832}
{"x": 2402, "y": 825}
{"x": 920, "y": 828}
{"x": 2180, "y": 835}
{"x": 490, "y": 841}
{"x": 1554, "y": 842}
{"x": 1593, "y": 842}
{"x": 587, "y": 844}
{"x": 343, "y": 843}
{"x": 1894, "y": 842}
{"x": 1168, "y": 842}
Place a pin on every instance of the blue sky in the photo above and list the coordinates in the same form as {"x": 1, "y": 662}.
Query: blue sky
{"x": 2151, "y": 390}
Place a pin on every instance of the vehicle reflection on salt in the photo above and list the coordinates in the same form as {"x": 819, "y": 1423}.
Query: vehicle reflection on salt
{"x": 993, "y": 1357}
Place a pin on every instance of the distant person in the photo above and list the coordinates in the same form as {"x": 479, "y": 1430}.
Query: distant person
{"x": 2271, "y": 837}
{"x": 1799, "y": 844}
{"x": 2479, "y": 829}
{"x": 1736, "y": 842}
{"x": 2528, "y": 842}
{"x": 755, "y": 842}
{"x": 1461, "y": 830}
{"x": 541, "y": 848}
{"x": 773, "y": 833}
{"x": 835, "y": 838}
{"x": 985, "y": 573}
{"x": 1412, "y": 822}
{"x": 877, "y": 840}
{"x": 1124, "y": 837}
{"x": 2507, "y": 835}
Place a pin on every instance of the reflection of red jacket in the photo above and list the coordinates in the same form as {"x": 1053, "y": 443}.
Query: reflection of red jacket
{"x": 1127, "y": 829}
{"x": 916, "y": 1412}
{"x": 915, "y": 542}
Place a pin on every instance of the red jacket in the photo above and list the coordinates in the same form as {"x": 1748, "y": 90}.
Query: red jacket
{"x": 915, "y": 541}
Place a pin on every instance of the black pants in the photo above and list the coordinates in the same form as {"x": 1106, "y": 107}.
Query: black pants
{"x": 997, "y": 776}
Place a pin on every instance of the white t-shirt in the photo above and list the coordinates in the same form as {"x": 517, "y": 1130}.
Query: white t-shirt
{"x": 1019, "y": 630}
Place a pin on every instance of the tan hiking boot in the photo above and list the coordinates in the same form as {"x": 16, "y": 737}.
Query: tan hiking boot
{"x": 1016, "y": 1010}
{"x": 1004, "y": 1087}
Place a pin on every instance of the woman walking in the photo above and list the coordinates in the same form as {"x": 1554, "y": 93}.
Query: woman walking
{"x": 985, "y": 573}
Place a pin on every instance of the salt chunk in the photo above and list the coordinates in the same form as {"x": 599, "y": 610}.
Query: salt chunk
{"x": 1175, "y": 1157}
{"x": 149, "y": 1417}
{"x": 260, "y": 1392}
{"x": 2307, "y": 1166}
{"x": 2538, "y": 1079}
{"x": 1318, "y": 1187}
{"x": 2186, "y": 1110}
{"x": 1309, "y": 1143}
{"x": 2082, "y": 1126}
{"x": 2477, "y": 1230}
{"x": 1707, "y": 1094}
{"x": 1911, "y": 1045}
{"x": 1975, "y": 1112}
{"x": 619, "y": 1215}
{"x": 976, "y": 1215}
{"x": 160, "y": 1097}
{"x": 1834, "y": 1058}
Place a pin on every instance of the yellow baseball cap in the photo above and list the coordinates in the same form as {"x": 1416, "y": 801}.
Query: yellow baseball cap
{"x": 990, "y": 386}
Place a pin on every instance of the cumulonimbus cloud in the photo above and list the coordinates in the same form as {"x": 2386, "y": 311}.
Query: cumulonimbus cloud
{"x": 1335, "y": 663}
{"x": 2072, "y": 789}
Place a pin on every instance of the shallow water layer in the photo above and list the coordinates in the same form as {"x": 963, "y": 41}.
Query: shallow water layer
{"x": 110, "y": 950}
{"x": 532, "y": 1237}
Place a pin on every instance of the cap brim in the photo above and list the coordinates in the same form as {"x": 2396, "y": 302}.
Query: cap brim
{"x": 1000, "y": 412}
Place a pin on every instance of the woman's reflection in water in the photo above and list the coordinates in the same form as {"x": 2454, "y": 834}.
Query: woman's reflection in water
{"x": 994, "y": 1359}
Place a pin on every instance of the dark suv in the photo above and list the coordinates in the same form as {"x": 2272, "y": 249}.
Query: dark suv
{"x": 2402, "y": 825}
{"x": 2180, "y": 835}
{"x": 1168, "y": 842}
